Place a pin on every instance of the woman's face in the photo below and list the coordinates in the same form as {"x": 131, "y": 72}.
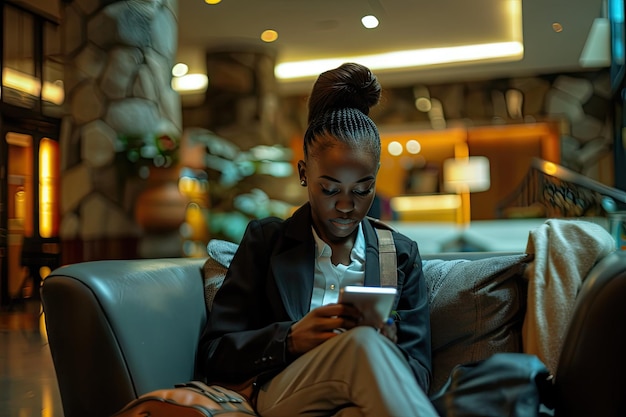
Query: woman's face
{"x": 341, "y": 184}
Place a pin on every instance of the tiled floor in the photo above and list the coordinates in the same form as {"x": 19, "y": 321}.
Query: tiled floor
{"x": 28, "y": 385}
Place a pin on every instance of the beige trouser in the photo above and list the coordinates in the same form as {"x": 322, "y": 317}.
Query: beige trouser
{"x": 359, "y": 373}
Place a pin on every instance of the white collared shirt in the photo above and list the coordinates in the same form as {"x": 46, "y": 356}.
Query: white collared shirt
{"x": 329, "y": 278}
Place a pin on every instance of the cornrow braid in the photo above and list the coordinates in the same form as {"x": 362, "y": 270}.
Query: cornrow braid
{"x": 349, "y": 125}
{"x": 339, "y": 106}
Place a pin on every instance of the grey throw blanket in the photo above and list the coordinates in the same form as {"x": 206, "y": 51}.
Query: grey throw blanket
{"x": 565, "y": 251}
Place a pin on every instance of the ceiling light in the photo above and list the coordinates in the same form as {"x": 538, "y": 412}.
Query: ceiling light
{"x": 395, "y": 148}
{"x": 369, "y": 21}
{"x": 180, "y": 69}
{"x": 413, "y": 147}
{"x": 190, "y": 83}
{"x": 423, "y": 104}
{"x": 212, "y": 1}
{"x": 269, "y": 35}
{"x": 503, "y": 51}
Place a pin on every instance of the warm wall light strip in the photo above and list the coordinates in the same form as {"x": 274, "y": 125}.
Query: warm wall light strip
{"x": 426, "y": 202}
{"x": 28, "y": 84}
{"x": 47, "y": 176}
{"x": 53, "y": 93}
{"x": 20, "y": 81}
{"x": 503, "y": 51}
{"x": 19, "y": 139}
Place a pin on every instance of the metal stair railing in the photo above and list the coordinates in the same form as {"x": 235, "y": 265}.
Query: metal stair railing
{"x": 562, "y": 193}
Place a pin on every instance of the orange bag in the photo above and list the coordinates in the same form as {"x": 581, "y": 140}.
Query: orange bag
{"x": 193, "y": 399}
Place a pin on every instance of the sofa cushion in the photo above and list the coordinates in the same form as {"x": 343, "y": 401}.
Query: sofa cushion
{"x": 477, "y": 306}
{"x": 477, "y": 309}
{"x": 220, "y": 253}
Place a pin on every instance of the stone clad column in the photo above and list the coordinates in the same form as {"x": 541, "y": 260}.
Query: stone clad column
{"x": 246, "y": 138}
{"x": 123, "y": 120}
{"x": 242, "y": 97}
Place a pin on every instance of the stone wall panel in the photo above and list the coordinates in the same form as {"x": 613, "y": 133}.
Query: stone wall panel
{"x": 561, "y": 103}
{"x": 143, "y": 86}
{"x": 87, "y": 104}
{"x": 98, "y": 144}
{"x": 171, "y": 107}
{"x": 70, "y": 226}
{"x": 118, "y": 76}
{"x": 161, "y": 71}
{"x": 133, "y": 116}
{"x": 106, "y": 181}
{"x": 134, "y": 18}
{"x": 88, "y": 6}
{"x": 102, "y": 29}
{"x": 90, "y": 61}
{"x": 164, "y": 34}
{"x": 71, "y": 81}
{"x": 76, "y": 184}
{"x": 100, "y": 217}
{"x": 587, "y": 129}
{"x": 73, "y": 158}
{"x": 578, "y": 88}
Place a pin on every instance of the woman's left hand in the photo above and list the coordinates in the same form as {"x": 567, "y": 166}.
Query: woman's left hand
{"x": 389, "y": 330}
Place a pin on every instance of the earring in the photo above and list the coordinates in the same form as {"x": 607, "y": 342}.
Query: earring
{"x": 303, "y": 183}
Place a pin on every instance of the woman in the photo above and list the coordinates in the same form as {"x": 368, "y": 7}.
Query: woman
{"x": 275, "y": 322}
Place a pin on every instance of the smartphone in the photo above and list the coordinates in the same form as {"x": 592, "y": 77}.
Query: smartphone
{"x": 374, "y": 303}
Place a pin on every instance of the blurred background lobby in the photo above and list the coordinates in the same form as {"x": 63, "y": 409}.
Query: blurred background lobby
{"x": 144, "y": 128}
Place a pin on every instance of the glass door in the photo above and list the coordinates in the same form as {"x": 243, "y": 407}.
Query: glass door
{"x": 18, "y": 210}
{"x": 29, "y": 243}
{"x": 31, "y": 98}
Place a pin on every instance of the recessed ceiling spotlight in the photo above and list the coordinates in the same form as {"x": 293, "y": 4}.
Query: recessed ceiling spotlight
{"x": 179, "y": 69}
{"x": 413, "y": 146}
{"x": 369, "y": 21}
{"x": 269, "y": 35}
{"x": 557, "y": 27}
{"x": 212, "y": 1}
{"x": 395, "y": 148}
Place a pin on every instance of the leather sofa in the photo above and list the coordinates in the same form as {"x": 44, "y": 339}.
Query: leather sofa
{"x": 120, "y": 328}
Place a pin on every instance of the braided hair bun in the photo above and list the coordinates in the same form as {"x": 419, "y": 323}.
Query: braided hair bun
{"x": 348, "y": 86}
{"x": 339, "y": 105}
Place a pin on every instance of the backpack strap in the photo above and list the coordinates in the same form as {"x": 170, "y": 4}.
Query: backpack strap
{"x": 387, "y": 259}
{"x": 379, "y": 224}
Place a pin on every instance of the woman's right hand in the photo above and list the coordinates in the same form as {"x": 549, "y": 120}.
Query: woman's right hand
{"x": 320, "y": 325}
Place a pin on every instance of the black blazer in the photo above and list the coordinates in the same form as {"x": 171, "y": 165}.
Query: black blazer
{"x": 268, "y": 287}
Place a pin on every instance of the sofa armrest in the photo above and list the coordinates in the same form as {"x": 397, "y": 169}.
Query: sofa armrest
{"x": 590, "y": 374}
{"x": 118, "y": 329}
